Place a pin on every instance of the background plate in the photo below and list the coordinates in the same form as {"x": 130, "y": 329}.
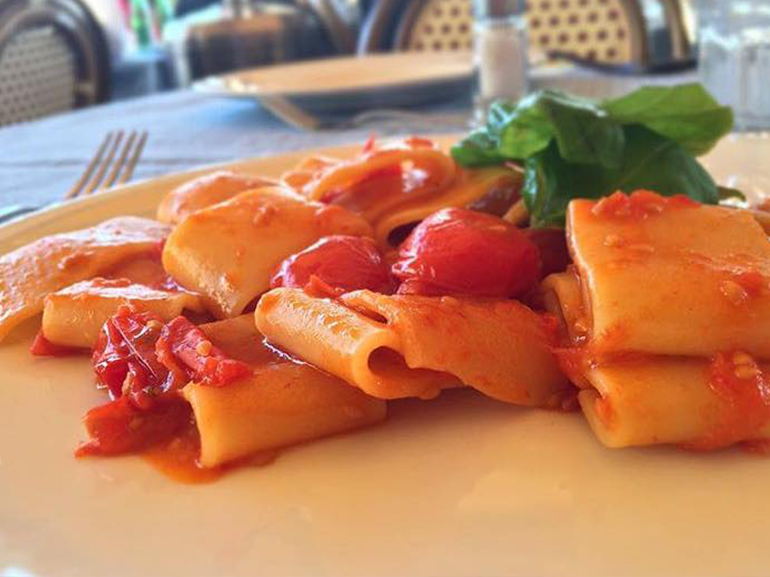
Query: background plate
{"x": 457, "y": 486}
{"x": 351, "y": 83}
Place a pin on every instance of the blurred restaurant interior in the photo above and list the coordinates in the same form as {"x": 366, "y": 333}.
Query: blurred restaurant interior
{"x": 56, "y": 55}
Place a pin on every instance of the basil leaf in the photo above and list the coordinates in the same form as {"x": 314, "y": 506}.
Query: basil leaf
{"x": 727, "y": 193}
{"x": 656, "y": 163}
{"x": 687, "y": 114}
{"x": 649, "y": 161}
{"x": 521, "y": 130}
{"x": 584, "y": 132}
{"x": 477, "y": 149}
{"x": 572, "y": 147}
{"x": 550, "y": 183}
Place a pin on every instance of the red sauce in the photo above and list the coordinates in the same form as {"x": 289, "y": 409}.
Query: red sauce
{"x": 574, "y": 362}
{"x": 743, "y": 390}
{"x": 552, "y": 328}
{"x": 760, "y": 447}
{"x": 751, "y": 281}
{"x": 177, "y": 458}
{"x": 42, "y": 347}
{"x": 119, "y": 427}
{"x": 639, "y": 204}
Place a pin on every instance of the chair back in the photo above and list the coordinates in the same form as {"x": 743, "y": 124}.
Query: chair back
{"x": 608, "y": 31}
{"x": 52, "y": 59}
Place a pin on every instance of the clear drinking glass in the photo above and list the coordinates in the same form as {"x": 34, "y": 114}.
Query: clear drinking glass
{"x": 734, "y": 60}
{"x": 500, "y": 53}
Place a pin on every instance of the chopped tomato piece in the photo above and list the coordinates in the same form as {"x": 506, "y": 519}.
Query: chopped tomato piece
{"x": 124, "y": 357}
{"x": 458, "y": 251}
{"x": 340, "y": 262}
{"x": 639, "y": 204}
{"x": 42, "y": 347}
{"x": 184, "y": 347}
{"x": 120, "y": 427}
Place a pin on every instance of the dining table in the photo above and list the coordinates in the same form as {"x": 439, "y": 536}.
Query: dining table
{"x": 188, "y": 129}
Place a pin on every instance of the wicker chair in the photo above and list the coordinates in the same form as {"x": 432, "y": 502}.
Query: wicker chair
{"x": 606, "y": 31}
{"x": 52, "y": 58}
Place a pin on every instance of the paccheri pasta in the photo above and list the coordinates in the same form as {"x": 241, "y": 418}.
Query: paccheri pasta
{"x": 665, "y": 312}
{"x": 263, "y": 313}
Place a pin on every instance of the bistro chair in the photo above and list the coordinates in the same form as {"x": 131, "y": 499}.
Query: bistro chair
{"x": 258, "y": 34}
{"x": 53, "y": 58}
{"x": 605, "y": 31}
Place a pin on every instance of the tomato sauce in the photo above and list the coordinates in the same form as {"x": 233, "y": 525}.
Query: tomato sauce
{"x": 743, "y": 390}
{"x": 177, "y": 458}
{"x": 639, "y": 204}
{"x": 751, "y": 281}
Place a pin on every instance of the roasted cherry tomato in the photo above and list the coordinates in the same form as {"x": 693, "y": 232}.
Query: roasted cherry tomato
{"x": 120, "y": 427}
{"x": 124, "y": 357}
{"x": 183, "y": 347}
{"x": 341, "y": 263}
{"x": 458, "y": 251}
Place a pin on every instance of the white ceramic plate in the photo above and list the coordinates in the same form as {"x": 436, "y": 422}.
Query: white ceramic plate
{"x": 353, "y": 82}
{"x": 457, "y": 486}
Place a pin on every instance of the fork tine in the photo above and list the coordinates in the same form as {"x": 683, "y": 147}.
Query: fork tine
{"x": 105, "y": 164}
{"x": 97, "y": 158}
{"x": 134, "y": 159}
{"x": 119, "y": 162}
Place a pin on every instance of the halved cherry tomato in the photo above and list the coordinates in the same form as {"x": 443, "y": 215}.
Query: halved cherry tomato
{"x": 120, "y": 427}
{"x": 183, "y": 347}
{"x": 341, "y": 262}
{"x": 124, "y": 357}
{"x": 458, "y": 251}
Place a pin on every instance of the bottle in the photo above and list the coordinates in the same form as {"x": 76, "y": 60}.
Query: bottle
{"x": 500, "y": 53}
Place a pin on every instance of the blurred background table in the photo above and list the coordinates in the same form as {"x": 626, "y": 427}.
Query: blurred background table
{"x": 41, "y": 159}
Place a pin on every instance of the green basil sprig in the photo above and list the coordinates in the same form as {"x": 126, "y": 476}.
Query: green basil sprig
{"x": 573, "y": 147}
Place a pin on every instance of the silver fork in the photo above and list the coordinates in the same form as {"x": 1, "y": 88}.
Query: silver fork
{"x": 120, "y": 169}
{"x": 112, "y": 164}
